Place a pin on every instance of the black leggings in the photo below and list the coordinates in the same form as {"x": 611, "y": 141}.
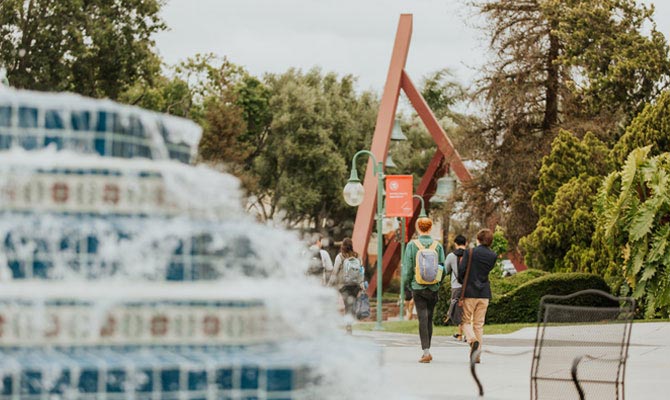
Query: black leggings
{"x": 349, "y": 295}
{"x": 424, "y": 301}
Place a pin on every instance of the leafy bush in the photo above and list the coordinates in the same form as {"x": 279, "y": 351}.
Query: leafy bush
{"x": 393, "y": 286}
{"x": 443, "y": 301}
{"x": 564, "y": 201}
{"x": 500, "y": 244}
{"x": 501, "y": 286}
{"x": 634, "y": 225}
{"x": 521, "y": 304}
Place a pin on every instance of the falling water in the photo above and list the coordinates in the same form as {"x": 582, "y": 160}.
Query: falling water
{"x": 129, "y": 273}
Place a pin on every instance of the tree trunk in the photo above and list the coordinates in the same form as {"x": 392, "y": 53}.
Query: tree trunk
{"x": 551, "y": 84}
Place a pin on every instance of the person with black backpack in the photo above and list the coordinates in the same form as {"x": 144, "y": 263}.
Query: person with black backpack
{"x": 455, "y": 313}
{"x": 425, "y": 260}
{"x": 348, "y": 274}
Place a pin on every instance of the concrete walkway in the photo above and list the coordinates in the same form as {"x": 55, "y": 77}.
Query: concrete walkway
{"x": 507, "y": 377}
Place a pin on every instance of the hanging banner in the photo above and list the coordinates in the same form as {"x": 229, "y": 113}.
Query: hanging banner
{"x": 399, "y": 190}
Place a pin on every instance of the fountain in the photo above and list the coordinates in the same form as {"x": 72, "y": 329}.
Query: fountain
{"x": 129, "y": 273}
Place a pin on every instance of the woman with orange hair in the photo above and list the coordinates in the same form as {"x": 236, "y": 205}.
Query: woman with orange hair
{"x": 424, "y": 263}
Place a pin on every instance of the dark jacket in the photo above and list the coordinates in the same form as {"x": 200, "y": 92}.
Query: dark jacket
{"x": 483, "y": 261}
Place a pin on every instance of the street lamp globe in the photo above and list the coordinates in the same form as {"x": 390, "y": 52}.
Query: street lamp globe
{"x": 353, "y": 193}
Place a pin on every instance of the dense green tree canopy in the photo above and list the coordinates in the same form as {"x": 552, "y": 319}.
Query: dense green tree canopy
{"x": 318, "y": 123}
{"x": 569, "y": 158}
{"x": 569, "y": 178}
{"x": 169, "y": 95}
{"x": 611, "y": 64}
{"x": 94, "y": 47}
{"x": 561, "y": 241}
{"x": 289, "y": 137}
{"x": 577, "y": 64}
{"x": 650, "y": 127}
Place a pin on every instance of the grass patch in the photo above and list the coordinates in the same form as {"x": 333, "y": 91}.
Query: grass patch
{"x": 637, "y": 321}
{"x": 412, "y": 327}
{"x": 386, "y": 298}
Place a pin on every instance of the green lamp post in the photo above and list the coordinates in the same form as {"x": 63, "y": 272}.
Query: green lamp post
{"x": 402, "y": 257}
{"x": 353, "y": 195}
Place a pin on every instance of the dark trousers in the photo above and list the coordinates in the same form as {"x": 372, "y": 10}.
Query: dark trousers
{"x": 349, "y": 295}
{"x": 424, "y": 301}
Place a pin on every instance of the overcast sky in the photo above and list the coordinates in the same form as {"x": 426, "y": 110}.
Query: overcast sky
{"x": 345, "y": 36}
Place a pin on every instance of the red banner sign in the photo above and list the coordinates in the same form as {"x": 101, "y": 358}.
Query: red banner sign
{"x": 399, "y": 190}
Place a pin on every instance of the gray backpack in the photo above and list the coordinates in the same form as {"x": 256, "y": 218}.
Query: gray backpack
{"x": 352, "y": 272}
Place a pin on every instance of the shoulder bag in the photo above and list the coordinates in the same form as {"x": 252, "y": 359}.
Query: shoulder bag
{"x": 465, "y": 280}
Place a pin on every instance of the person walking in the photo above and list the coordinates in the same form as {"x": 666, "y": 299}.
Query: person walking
{"x": 473, "y": 274}
{"x": 455, "y": 313}
{"x": 348, "y": 275}
{"x": 326, "y": 261}
{"x": 425, "y": 260}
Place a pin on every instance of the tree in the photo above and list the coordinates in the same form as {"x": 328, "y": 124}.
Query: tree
{"x": 97, "y": 48}
{"x": 172, "y": 96}
{"x": 318, "y": 123}
{"x": 236, "y": 114}
{"x": 650, "y": 127}
{"x": 582, "y": 65}
{"x": 561, "y": 241}
{"x": 569, "y": 158}
{"x": 500, "y": 244}
{"x": 613, "y": 67}
{"x": 568, "y": 182}
{"x": 634, "y": 224}
{"x": 288, "y": 137}
{"x": 442, "y": 92}
{"x": 413, "y": 155}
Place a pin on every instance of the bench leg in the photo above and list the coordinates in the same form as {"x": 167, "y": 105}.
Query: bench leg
{"x": 473, "y": 371}
{"x": 573, "y": 372}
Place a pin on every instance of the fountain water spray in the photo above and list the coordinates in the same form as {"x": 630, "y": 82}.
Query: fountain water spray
{"x": 128, "y": 273}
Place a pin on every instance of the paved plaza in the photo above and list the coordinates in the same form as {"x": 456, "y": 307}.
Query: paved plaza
{"x": 507, "y": 377}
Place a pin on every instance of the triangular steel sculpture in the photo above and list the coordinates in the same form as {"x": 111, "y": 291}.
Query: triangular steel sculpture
{"x": 397, "y": 79}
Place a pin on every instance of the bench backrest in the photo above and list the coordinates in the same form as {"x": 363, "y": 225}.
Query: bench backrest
{"x": 590, "y": 329}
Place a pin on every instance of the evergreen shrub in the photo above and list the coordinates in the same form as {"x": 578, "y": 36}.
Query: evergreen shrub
{"x": 521, "y": 304}
{"x": 501, "y": 285}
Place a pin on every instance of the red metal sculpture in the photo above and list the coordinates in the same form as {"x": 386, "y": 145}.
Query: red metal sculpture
{"x": 446, "y": 154}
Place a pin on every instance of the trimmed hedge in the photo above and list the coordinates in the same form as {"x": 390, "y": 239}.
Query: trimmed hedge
{"x": 442, "y": 305}
{"x": 521, "y": 304}
{"x": 501, "y": 286}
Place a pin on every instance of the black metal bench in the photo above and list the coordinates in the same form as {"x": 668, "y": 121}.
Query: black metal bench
{"x": 581, "y": 347}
